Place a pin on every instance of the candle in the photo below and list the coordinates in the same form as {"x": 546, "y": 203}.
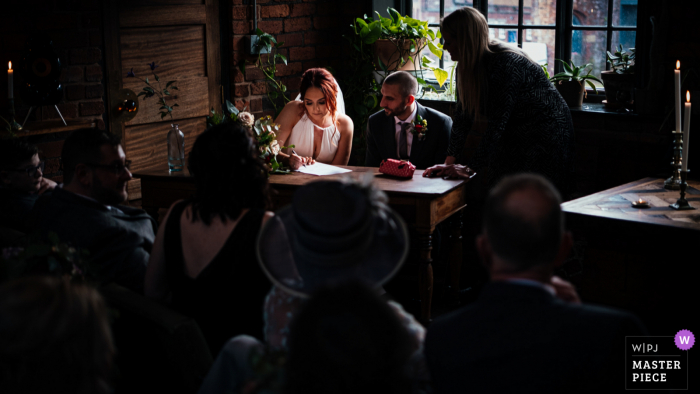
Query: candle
{"x": 677, "y": 93}
{"x": 640, "y": 203}
{"x": 10, "y": 73}
{"x": 686, "y": 132}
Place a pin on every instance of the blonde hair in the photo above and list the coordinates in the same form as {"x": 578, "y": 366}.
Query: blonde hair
{"x": 470, "y": 30}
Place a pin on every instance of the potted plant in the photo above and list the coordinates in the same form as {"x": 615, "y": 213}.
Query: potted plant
{"x": 397, "y": 41}
{"x": 571, "y": 83}
{"x": 619, "y": 82}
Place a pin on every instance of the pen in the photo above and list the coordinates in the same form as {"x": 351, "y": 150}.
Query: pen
{"x": 295, "y": 152}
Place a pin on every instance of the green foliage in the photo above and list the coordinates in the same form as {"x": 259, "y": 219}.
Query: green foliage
{"x": 218, "y": 118}
{"x": 268, "y": 65}
{"x": 622, "y": 62}
{"x": 149, "y": 91}
{"x": 576, "y": 73}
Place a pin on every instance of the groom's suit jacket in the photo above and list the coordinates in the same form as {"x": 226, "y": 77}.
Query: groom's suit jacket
{"x": 381, "y": 139}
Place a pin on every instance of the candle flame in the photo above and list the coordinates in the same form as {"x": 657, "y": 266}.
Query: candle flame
{"x": 687, "y": 95}
{"x": 9, "y": 65}
{"x": 640, "y": 201}
{"x": 678, "y": 64}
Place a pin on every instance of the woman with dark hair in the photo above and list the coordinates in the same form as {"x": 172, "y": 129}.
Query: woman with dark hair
{"x": 204, "y": 253}
{"x": 347, "y": 339}
{"x": 529, "y": 124}
{"x": 54, "y": 338}
{"x": 316, "y": 123}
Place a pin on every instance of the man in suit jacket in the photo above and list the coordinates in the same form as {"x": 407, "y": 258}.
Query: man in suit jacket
{"x": 86, "y": 211}
{"x": 528, "y": 331}
{"x": 389, "y": 133}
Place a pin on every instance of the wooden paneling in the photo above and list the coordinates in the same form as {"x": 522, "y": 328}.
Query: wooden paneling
{"x": 146, "y": 146}
{"x": 214, "y": 56}
{"x": 192, "y": 98}
{"x": 163, "y": 16}
{"x": 178, "y": 52}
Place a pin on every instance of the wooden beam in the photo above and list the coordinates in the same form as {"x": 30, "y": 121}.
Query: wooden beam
{"x": 163, "y": 16}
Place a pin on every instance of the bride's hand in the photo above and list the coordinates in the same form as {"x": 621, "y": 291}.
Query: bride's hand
{"x": 296, "y": 161}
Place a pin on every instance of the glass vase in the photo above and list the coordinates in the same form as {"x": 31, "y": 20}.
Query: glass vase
{"x": 176, "y": 149}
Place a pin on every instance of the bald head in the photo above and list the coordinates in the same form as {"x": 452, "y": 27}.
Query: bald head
{"x": 523, "y": 221}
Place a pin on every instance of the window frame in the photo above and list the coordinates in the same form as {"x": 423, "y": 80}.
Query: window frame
{"x": 563, "y": 27}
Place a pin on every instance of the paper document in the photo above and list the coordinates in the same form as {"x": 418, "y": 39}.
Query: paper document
{"x": 322, "y": 169}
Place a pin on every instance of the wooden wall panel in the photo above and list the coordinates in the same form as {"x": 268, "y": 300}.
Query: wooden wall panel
{"x": 192, "y": 98}
{"x": 178, "y": 51}
{"x": 146, "y": 146}
{"x": 163, "y": 16}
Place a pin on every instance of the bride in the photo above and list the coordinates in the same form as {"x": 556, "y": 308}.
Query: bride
{"x": 315, "y": 123}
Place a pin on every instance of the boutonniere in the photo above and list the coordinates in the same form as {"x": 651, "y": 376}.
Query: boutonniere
{"x": 420, "y": 127}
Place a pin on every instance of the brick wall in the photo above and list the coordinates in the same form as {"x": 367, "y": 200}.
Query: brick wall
{"x": 312, "y": 34}
{"x": 76, "y": 30}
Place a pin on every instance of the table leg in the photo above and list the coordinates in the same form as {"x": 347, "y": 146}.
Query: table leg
{"x": 455, "y": 258}
{"x": 425, "y": 275}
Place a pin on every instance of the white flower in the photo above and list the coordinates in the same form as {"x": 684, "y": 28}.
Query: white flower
{"x": 246, "y": 118}
{"x": 275, "y": 147}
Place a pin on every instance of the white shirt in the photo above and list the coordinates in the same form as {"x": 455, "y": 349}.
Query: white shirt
{"x": 409, "y": 136}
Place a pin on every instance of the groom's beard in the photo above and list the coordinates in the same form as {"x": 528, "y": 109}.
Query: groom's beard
{"x": 398, "y": 112}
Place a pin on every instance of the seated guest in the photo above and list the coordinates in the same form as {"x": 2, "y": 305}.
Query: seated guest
{"x": 54, "y": 338}
{"x": 86, "y": 211}
{"x": 317, "y": 125}
{"x": 346, "y": 339}
{"x": 331, "y": 234}
{"x": 21, "y": 182}
{"x": 391, "y": 134}
{"x": 528, "y": 331}
{"x": 204, "y": 255}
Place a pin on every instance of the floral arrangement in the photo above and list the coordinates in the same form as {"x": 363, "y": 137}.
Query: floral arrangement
{"x": 266, "y": 137}
{"x": 265, "y": 134}
{"x": 148, "y": 91}
{"x": 420, "y": 127}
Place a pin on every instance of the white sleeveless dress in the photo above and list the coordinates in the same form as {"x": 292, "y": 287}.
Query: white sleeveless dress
{"x": 302, "y": 137}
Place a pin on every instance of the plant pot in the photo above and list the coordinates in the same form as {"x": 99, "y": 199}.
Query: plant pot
{"x": 388, "y": 52}
{"x": 618, "y": 87}
{"x": 572, "y": 92}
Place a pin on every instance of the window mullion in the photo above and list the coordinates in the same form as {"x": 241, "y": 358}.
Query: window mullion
{"x": 520, "y": 23}
{"x": 610, "y": 30}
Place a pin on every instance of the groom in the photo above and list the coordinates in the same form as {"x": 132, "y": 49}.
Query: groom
{"x": 390, "y": 133}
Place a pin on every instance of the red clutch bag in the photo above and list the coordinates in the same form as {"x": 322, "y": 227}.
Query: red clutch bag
{"x": 400, "y": 168}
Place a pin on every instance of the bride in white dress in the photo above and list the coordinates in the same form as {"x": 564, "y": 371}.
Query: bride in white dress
{"x": 315, "y": 123}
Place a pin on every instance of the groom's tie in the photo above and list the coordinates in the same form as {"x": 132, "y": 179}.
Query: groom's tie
{"x": 403, "y": 141}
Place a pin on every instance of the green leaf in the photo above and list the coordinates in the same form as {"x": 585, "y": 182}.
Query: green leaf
{"x": 174, "y": 87}
{"x": 375, "y": 31}
{"x": 149, "y": 90}
{"x": 567, "y": 67}
{"x": 439, "y": 34}
{"x": 157, "y": 79}
{"x": 431, "y": 34}
{"x": 147, "y": 81}
{"x": 166, "y": 93}
{"x": 441, "y": 75}
{"x": 175, "y": 105}
{"x": 437, "y": 52}
{"x": 283, "y": 88}
{"x": 381, "y": 64}
{"x": 231, "y": 108}
{"x": 259, "y": 32}
{"x": 163, "y": 107}
{"x": 163, "y": 114}
{"x": 280, "y": 56}
{"x": 361, "y": 23}
{"x": 169, "y": 83}
{"x": 395, "y": 16}
{"x": 593, "y": 86}
{"x": 241, "y": 68}
{"x": 273, "y": 94}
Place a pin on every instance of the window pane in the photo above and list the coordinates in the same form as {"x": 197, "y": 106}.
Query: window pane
{"x": 539, "y": 45}
{"x": 427, "y": 10}
{"x": 624, "y": 13}
{"x": 589, "y": 47}
{"x": 504, "y": 34}
{"x": 451, "y": 5}
{"x": 540, "y": 12}
{"x": 626, "y": 38}
{"x": 590, "y": 13}
{"x": 503, "y": 12}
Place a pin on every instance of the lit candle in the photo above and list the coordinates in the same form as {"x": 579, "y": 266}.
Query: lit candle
{"x": 686, "y": 132}
{"x": 10, "y": 71}
{"x": 677, "y": 80}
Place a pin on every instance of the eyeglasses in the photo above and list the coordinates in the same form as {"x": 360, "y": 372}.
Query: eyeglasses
{"x": 31, "y": 171}
{"x": 117, "y": 168}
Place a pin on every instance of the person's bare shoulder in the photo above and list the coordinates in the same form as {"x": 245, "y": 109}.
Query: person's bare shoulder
{"x": 344, "y": 123}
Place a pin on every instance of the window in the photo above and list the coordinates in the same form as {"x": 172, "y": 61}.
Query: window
{"x": 578, "y": 30}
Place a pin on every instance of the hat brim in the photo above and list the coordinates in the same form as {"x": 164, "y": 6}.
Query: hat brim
{"x": 296, "y": 275}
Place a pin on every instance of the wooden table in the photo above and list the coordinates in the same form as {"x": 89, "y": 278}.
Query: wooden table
{"x": 615, "y": 204}
{"x": 422, "y": 203}
{"x": 637, "y": 259}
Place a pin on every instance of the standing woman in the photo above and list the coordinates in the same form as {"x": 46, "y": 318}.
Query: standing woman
{"x": 317, "y": 125}
{"x": 529, "y": 124}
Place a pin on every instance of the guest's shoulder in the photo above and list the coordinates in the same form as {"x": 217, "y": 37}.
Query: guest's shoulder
{"x": 436, "y": 113}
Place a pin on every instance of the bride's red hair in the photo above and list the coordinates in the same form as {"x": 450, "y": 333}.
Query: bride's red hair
{"x": 322, "y": 79}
